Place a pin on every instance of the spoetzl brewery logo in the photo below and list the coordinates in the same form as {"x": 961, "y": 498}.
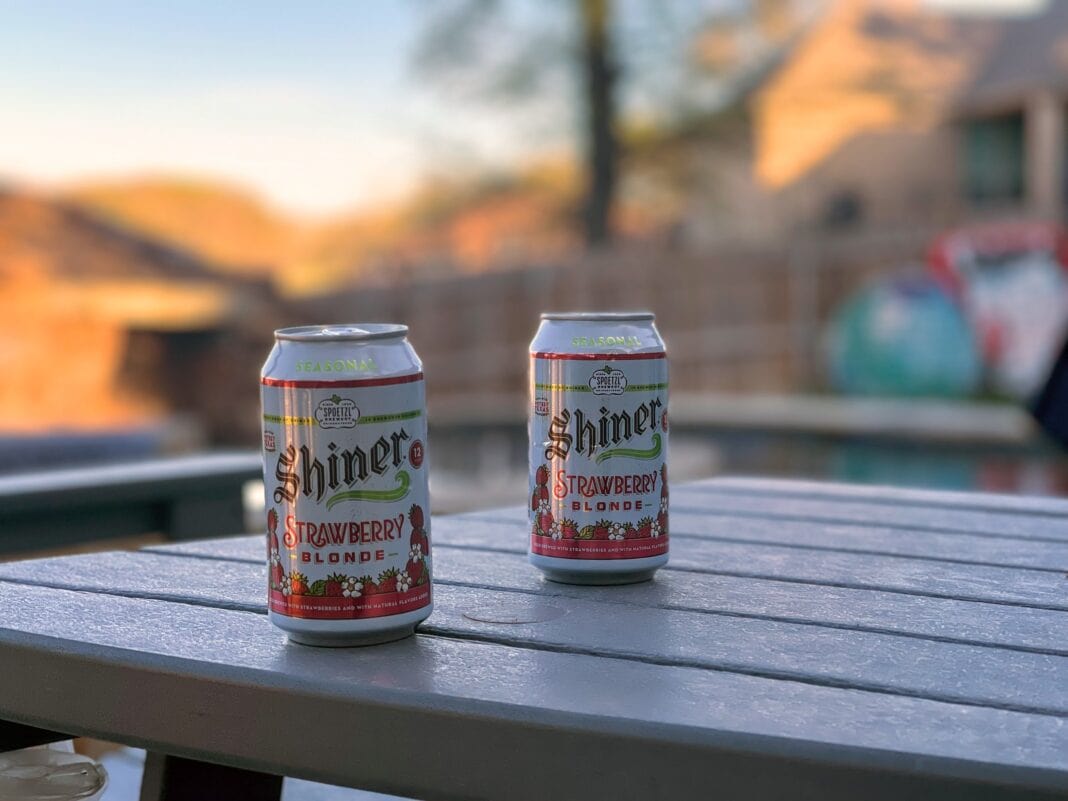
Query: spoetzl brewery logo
{"x": 607, "y": 381}
{"x": 337, "y": 412}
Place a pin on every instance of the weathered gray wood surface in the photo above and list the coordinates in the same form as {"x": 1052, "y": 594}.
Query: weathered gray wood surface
{"x": 692, "y": 552}
{"x": 764, "y": 663}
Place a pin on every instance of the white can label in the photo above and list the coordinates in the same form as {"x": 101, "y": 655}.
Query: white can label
{"x": 346, "y": 488}
{"x": 598, "y": 448}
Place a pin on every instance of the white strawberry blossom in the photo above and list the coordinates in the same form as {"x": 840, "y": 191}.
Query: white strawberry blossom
{"x": 404, "y": 582}
{"x": 554, "y": 530}
{"x": 351, "y": 588}
{"x": 544, "y": 506}
{"x": 663, "y": 503}
{"x": 287, "y": 586}
{"x": 655, "y": 529}
{"x": 416, "y": 551}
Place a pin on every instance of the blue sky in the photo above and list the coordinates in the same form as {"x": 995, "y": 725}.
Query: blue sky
{"x": 312, "y": 105}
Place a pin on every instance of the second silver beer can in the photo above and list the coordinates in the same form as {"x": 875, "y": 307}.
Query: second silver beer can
{"x": 598, "y": 430}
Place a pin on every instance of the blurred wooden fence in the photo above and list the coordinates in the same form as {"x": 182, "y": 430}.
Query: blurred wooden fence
{"x": 740, "y": 319}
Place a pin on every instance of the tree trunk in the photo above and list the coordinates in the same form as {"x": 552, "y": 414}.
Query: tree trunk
{"x": 602, "y": 146}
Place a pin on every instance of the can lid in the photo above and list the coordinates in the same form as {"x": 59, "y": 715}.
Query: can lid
{"x": 347, "y": 332}
{"x": 41, "y": 774}
{"x": 591, "y": 317}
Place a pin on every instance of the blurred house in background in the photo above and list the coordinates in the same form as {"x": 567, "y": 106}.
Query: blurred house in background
{"x": 103, "y": 327}
{"x": 1012, "y": 119}
{"x": 895, "y": 113}
{"x": 843, "y": 138}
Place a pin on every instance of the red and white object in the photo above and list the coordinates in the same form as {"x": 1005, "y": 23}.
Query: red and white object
{"x": 1012, "y": 280}
{"x": 345, "y": 484}
{"x": 598, "y": 448}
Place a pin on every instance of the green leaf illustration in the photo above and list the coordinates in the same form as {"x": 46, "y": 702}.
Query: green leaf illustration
{"x": 404, "y": 482}
{"x": 634, "y": 453}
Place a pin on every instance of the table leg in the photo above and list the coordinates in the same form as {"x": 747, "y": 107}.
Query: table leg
{"x": 171, "y": 778}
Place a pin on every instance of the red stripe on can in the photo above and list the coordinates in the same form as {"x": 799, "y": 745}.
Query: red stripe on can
{"x": 599, "y": 356}
{"x": 319, "y": 607}
{"x": 358, "y": 382}
{"x": 599, "y": 549}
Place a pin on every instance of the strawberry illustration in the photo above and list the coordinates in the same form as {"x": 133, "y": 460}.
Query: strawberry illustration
{"x": 534, "y": 500}
{"x": 277, "y": 574}
{"x": 630, "y": 532}
{"x": 541, "y": 477}
{"x": 298, "y": 583}
{"x": 420, "y": 538}
{"x": 645, "y": 527}
{"x": 272, "y": 520}
{"x": 663, "y": 481}
{"x": 568, "y": 529}
{"x": 661, "y": 520}
{"x": 415, "y": 516}
{"x": 542, "y": 492}
{"x": 601, "y": 529}
{"x": 369, "y": 586}
{"x": 415, "y": 569}
{"x": 387, "y": 585}
{"x": 387, "y": 580}
{"x": 545, "y": 522}
{"x": 333, "y": 584}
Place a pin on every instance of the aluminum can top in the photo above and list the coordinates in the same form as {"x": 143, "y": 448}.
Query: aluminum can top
{"x": 345, "y": 332}
{"x": 597, "y": 317}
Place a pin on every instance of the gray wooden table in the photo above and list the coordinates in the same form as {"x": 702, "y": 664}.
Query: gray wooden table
{"x": 806, "y": 641}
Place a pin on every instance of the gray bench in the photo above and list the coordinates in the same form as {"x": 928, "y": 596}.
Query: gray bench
{"x": 181, "y": 497}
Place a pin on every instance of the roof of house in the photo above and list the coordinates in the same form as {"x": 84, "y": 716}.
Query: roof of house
{"x": 105, "y": 270}
{"x": 1031, "y": 55}
{"x": 866, "y": 66}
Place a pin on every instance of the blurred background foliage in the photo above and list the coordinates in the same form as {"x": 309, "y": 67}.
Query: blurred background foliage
{"x": 846, "y": 214}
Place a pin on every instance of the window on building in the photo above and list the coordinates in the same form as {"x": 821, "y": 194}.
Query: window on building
{"x": 994, "y": 159}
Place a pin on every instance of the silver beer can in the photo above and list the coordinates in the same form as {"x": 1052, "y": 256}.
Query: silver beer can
{"x": 598, "y": 448}
{"x": 345, "y": 484}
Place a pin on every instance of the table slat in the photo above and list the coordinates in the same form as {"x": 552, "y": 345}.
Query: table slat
{"x": 1051, "y": 524}
{"x": 869, "y": 610}
{"x": 548, "y": 724}
{"x": 1035, "y": 588}
{"x": 1019, "y": 586}
{"x": 832, "y": 656}
{"x": 873, "y": 538}
{"x": 1001, "y": 503}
